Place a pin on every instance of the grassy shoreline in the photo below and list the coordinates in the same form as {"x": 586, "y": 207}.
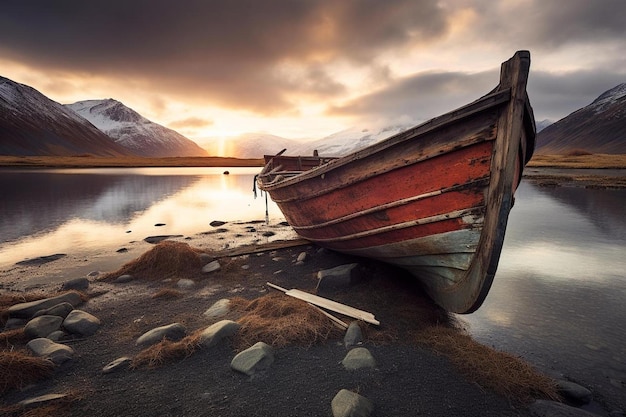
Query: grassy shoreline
{"x": 591, "y": 161}
{"x": 129, "y": 162}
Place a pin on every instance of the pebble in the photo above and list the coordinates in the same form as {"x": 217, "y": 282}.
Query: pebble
{"x": 46, "y": 348}
{"x": 123, "y": 279}
{"x": 215, "y": 333}
{"x": 116, "y": 365}
{"x": 256, "y": 358}
{"x": 218, "y": 309}
{"x": 350, "y": 404}
{"x": 174, "y": 332}
{"x": 211, "y": 267}
{"x": 82, "y": 323}
{"x": 27, "y": 310}
{"x": 353, "y": 336}
{"x": 42, "y": 326}
{"x": 358, "y": 358}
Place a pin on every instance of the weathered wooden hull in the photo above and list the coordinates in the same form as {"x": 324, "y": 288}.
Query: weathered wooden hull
{"x": 434, "y": 199}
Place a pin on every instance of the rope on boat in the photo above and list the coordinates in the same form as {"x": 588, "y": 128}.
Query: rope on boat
{"x": 267, "y": 213}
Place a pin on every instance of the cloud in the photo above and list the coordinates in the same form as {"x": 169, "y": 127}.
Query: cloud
{"x": 229, "y": 52}
{"x": 422, "y": 96}
{"x": 191, "y": 123}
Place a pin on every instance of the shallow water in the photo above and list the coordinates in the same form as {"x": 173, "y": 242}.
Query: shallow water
{"x": 558, "y": 299}
{"x": 559, "y": 295}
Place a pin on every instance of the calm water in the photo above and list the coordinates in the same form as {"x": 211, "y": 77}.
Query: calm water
{"x": 558, "y": 300}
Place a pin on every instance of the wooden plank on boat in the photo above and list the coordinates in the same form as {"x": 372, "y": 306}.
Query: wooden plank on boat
{"x": 328, "y": 304}
{"x": 250, "y": 249}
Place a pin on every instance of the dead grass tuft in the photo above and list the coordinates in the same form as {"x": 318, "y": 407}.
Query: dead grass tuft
{"x": 167, "y": 351}
{"x": 167, "y": 294}
{"x": 498, "y": 371}
{"x": 166, "y": 260}
{"x": 18, "y": 369}
{"x": 280, "y": 321}
{"x": 11, "y": 337}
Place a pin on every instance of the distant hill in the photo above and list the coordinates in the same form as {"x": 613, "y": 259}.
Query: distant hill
{"x": 597, "y": 128}
{"x": 133, "y": 131}
{"x": 33, "y": 125}
{"x": 250, "y": 145}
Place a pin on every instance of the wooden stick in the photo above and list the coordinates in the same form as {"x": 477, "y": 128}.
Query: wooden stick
{"x": 329, "y": 304}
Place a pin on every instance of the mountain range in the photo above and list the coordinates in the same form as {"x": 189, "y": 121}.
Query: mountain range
{"x": 33, "y": 124}
{"x": 599, "y": 127}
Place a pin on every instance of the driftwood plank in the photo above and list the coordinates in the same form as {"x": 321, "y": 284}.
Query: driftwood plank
{"x": 329, "y": 304}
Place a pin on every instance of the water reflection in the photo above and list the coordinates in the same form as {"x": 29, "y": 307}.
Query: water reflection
{"x": 558, "y": 296}
{"x": 62, "y": 210}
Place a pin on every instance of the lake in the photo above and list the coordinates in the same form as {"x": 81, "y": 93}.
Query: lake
{"x": 558, "y": 299}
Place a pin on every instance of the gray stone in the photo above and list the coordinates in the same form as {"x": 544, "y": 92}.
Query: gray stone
{"x": 256, "y": 358}
{"x": 302, "y": 257}
{"x": 81, "y": 322}
{"x": 79, "y": 284}
{"x": 350, "y": 404}
{"x": 42, "y": 326}
{"x": 27, "y": 310}
{"x": 174, "y": 332}
{"x": 48, "y": 349}
{"x": 14, "y": 323}
{"x": 205, "y": 257}
{"x": 216, "y": 332}
{"x": 339, "y": 277}
{"x": 56, "y": 335}
{"x": 358, "y": 358}
{"x": 218, "y": 309}
{"x": 123, "y": 279}
{"x": 61, "y": 310}
{"x": 185, "y": 284}
{"x": 116, "y": 365}
{"x": 38, "y": 401}
{"x": 353, "y": 336}
{"x": 543, "y": 408}
{"x": 211, "y": 267}
{"x": 574, "y": 392}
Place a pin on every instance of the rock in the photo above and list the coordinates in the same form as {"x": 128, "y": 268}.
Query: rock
{"x": 159, "y": 224}
{"x": 353, "y": 336}
{"x": 81, "y": 322}
{"x": 573, "y": 392}
{"x": 205, "y": 257}
{"x": 42, "y": 326}
{"x": 218, "y": 309}
{"x": 116, "y": 365}
{"x": 161, "y": 238}
{"x": 56, "y": 335}
{"x": 79, "y": 284}
{"x": 350, "y": 404}
{"x": 48, "y": 349}
{"x": 543, "y": 408}
{"x": 38, "y": 401}
{"x": 185, "y": 284}
{"x": 61, "y": 310}
{"x": 122, "y": 250}
{"x": 123, "y": 279}
{"x": 41, "y": 260}
{"x": 211, "y": 266}
{"x": 174, "y": 332}
{"x": 339, "y": 277}
{"x": 14, "y": 323}
{"x": 27, "y": 310}
{"x": 217, "y": 223}
{"x": 93, "y": 274}
{"x": 254, "y": 359}
{"x": 269, "y": 233}
{"x": 301, "y": 258}
{"x": 358, "y": 358}
{"x": 215, "y": 333}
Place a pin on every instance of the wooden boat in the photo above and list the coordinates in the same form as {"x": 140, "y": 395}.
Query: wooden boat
{"x": 434, "y": 199}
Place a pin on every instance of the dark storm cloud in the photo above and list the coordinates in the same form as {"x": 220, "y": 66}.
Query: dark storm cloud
{"x": 225, "y": 50}
{"x": 422, "y": 96}
{"x": 554, "y": 96}
{"x": 549, "y": 24}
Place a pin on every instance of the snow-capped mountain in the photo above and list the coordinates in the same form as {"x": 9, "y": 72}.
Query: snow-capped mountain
{"x": 33, "y": 125}
{"x": 599, "y": 127}
{"x": 542, "y": 124}
{"x": 348, "y": 141}
{"x": 133, "y": 131}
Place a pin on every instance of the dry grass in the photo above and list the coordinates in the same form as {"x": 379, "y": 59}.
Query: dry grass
{"x": 280, "y": 321}
{"x": 88, "y": 161}
{"x": 501, "y": 372}
{"x": 167, "y": 351}
{"x": 18, "y": 369}
{"x": 167, "y": 294}
{"x": 166, "y": 260}
{"x": 579, "y": 160}
{"x": 10, "y": 337}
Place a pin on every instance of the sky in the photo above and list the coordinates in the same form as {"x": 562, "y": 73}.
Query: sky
{"x": 304, "y": 69}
